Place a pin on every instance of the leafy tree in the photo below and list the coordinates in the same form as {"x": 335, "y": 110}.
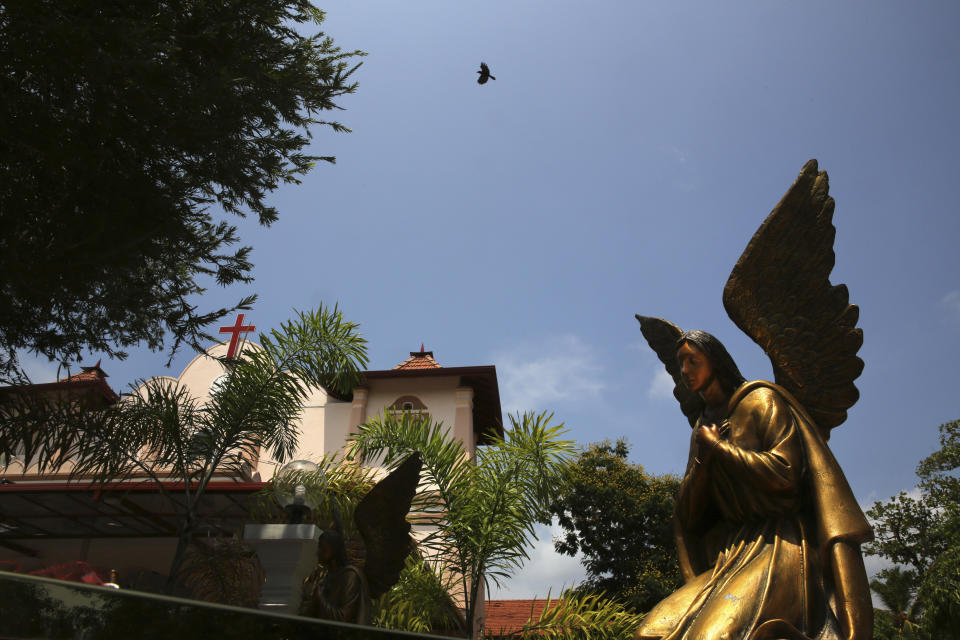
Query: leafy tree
{"x": 923, "y": 534}
{"x": 485, "y": 507}
{"x": 621, "y": 519}
{"x": 162, "y": 432}
{"x": 896, "y": 589}
{"x": 122, "y": 126}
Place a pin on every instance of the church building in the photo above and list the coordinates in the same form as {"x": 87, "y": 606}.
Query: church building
{"x": 50, "y": 520}
{"x": 465, "y": 399}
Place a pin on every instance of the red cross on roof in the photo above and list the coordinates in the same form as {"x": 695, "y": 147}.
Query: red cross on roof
{"x": 236, "y": 330}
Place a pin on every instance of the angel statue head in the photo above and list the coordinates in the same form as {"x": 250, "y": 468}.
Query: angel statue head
{"x": 331, "y": 549}
{"x": 719, "y": 365}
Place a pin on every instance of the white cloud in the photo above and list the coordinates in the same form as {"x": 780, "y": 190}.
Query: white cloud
{"x": 951, "y": 302}
{"x": 866, "y": 503}
{"x": 677, "y": 154}
{"x": 662, "y": 385}
{"x": 683, "y": 176}
{"x": 874, "y": 564}
{"x": 545, "y": 571}
{"x": 41, "y": 370}
{"x": 539, "y": 377}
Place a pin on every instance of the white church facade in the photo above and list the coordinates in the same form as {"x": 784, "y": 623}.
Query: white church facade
{"x": 49, "y": 519}
{"x": 465, "y": 399}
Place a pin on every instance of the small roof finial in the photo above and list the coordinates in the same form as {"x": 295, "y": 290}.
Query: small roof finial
{"x": 95, "y": 369}
{"x": 421, "y": 348}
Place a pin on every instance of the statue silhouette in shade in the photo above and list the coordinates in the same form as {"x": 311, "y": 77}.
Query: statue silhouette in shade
{"x": 341, "y": 590}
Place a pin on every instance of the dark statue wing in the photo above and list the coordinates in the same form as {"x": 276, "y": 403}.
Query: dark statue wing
{"x": 662, "y": 337}
{"x": 780, "y": 295}
{"x": 484, "y": 68}
{"x": 381, "y": 519}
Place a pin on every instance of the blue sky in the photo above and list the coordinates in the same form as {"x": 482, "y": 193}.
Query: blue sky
{"x": 618, "y": 164}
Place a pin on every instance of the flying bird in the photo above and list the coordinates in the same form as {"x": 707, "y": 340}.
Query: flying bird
{"x": 484, "y": 74}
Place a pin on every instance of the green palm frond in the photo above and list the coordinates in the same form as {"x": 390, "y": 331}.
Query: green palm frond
{"x": 582, "y": 616}
{"x": 338, "y": 484}
{"x": 160, "y": 431}
{"x": 485, "y": 507}
{"x": 420, "y": 601}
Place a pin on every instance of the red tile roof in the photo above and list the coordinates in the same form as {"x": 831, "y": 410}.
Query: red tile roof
{"x": 83, "y": 375}
{"x": 419, "y": 360}
{"x": 508, "y": 616}
{"x": 86, "y": 373}
{"x": 90, "y": 379}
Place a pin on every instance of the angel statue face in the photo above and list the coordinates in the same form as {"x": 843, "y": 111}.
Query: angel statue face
{"x": 695, "y": 367}
{"x": 330, "y": 549}
{"x": 705, "y": 365}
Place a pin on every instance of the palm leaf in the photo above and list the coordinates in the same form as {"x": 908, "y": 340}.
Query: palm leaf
{"x": 579, "y": 616}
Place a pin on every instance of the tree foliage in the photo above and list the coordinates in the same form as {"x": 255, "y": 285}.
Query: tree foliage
{"x": 620, "y": 518}
{"x": 484, "y": 508}
{"x": 896, "y": 589}
{"x": 160, "y": 431}
{"x": 923, "y": 534}
{"x": 123, "y": 125}
{"x": 420, "y": 601}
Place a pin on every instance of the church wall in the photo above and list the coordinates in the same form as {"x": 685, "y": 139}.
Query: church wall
{"x": 312, "y": 424}
{"x": 200, "y": 374}
{"x": 437, "y": 393}
{"x": 202, "y": 371}
{"x": 337, "y": 427}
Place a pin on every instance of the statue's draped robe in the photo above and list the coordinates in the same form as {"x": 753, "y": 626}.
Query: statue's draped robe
{"x": 753, "y": 526}
{"x": 342, "y": 595}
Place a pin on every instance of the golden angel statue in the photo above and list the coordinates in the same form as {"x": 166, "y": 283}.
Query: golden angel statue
{"x": 767, "y": 529}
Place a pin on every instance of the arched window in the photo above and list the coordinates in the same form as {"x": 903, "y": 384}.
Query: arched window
{"x": 407, "y": 405}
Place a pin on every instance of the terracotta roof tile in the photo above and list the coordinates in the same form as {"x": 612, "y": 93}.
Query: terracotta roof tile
{"x": 419, "y": 360}
{"x": 83, "y": 375}
{"x": 86, "y": 373}
{"x": 90, "y": 379}
{"x": 507, "y": 616}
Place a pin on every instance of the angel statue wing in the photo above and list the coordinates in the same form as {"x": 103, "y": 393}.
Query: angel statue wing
{"x": 381, "y": 519}
{"x": 780, "y": 295}
{"x": 662, "y": 337}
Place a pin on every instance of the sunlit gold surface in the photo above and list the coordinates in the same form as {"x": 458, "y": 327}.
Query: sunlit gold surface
{"x": 766, "y": 525}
